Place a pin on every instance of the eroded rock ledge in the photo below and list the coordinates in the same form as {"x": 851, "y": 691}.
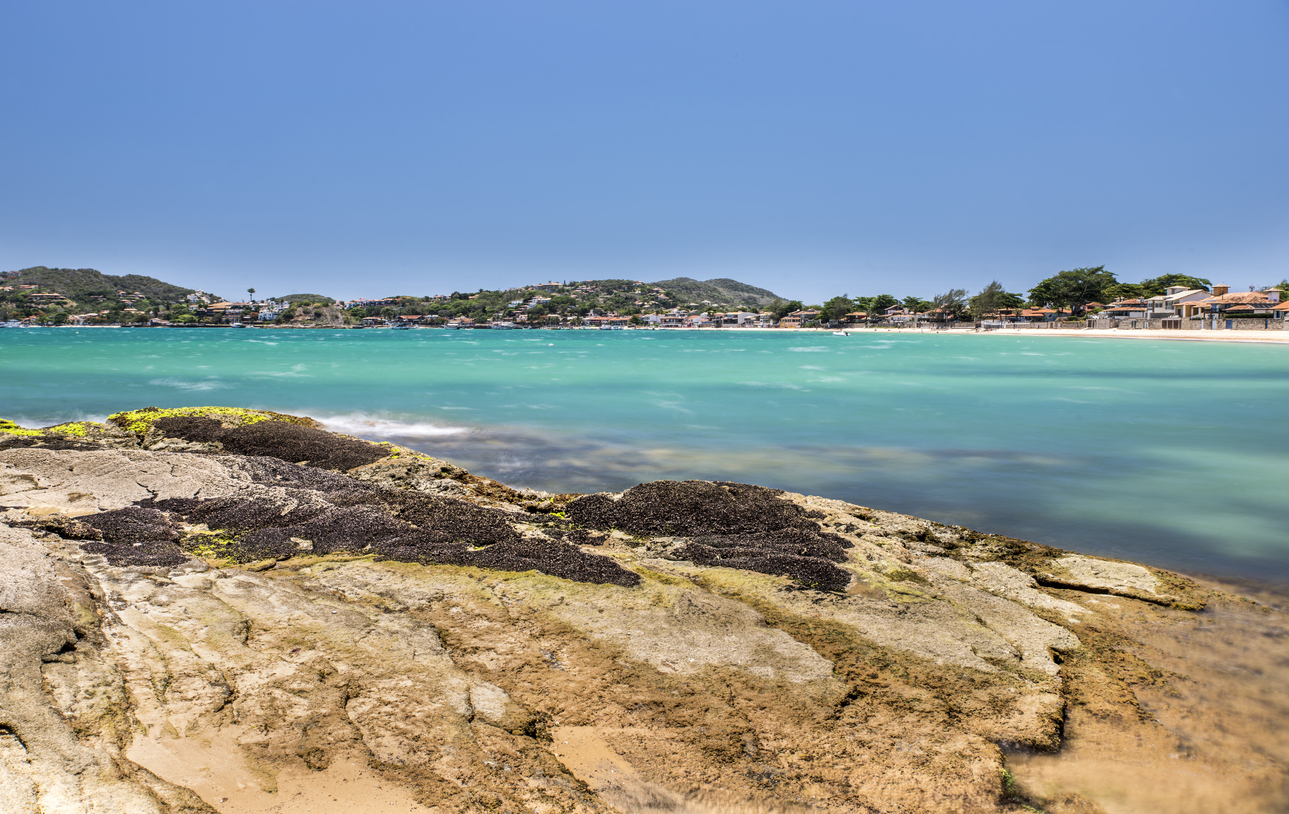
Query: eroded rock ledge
{"x": 233, "y": 610}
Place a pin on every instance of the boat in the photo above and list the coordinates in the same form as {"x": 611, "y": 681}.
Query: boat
{"x": 400, "y": 326}
{"x": 503, "y": 326}
{"x": 13, "y": 323}
{"x": 236, "y": 325}
{"x": 840, "y": 333}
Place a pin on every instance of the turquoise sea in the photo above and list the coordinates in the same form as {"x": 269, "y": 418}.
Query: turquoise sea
{"x": 1171, "y": 453}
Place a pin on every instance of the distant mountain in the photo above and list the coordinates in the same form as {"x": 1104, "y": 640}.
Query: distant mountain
{"x": 81, "y": 284}
{"x": 722, "y": 290}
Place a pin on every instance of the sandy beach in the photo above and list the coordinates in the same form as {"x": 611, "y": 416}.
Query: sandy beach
{"x": 1273, "y": 337}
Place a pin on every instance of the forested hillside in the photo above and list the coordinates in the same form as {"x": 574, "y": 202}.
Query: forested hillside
{"x": 721, "y": 290}
{"x": 82, "y": 284}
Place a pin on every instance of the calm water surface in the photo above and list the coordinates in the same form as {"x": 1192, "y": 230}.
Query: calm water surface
{"x": 1172, "y": 453}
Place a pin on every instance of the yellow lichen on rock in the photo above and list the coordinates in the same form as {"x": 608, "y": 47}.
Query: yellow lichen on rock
{"x": 9, "y": 428}
{"x": 140, "y": 421}
{"x": 75, "y": 429}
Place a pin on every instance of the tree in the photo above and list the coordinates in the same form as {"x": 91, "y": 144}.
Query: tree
{"x": 836, "y": 309}
{"x": 881, "y": 302}
{"x": 1156, "y": 286}
{"x": 784, "y": 307}
{"x": 951, "y": 304}
{"x": 1125, "y": 291}
{"x": 1073, "y": 289}
{"x": 987, "y": 302}
{"x": 1010, "y": 300}
{"x": 251, "y": 291}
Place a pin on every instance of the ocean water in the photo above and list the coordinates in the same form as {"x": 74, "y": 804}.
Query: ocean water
{"x": 1170, "y": 453}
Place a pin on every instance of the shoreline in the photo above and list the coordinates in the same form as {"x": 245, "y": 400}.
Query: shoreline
{"x": 1266, "y": 337}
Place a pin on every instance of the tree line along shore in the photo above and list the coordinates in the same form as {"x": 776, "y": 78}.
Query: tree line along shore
{"x": 45, "y": 296}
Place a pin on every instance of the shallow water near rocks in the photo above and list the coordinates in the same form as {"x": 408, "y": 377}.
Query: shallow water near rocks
{"x": 1169, "y": 453}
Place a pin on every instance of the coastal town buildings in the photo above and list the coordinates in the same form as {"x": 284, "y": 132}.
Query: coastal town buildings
{"x": 1177, "y": 301}
{"x": 1226, "y": 304}
{"x": 54, "y": 296}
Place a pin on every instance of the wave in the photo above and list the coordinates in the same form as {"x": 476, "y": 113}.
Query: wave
{"x": 29, "y": 422}
{"x": 774, "y": 385}
{"x": 366, "y": 425}
{"x": 180, "y": 384}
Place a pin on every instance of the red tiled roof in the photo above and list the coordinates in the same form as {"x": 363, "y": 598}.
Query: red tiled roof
{"x": 1250, "y": 297}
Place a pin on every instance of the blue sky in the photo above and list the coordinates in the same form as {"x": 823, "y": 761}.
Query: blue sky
{"x": 813, "y": 148}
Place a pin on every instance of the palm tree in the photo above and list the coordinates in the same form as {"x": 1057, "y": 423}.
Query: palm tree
{"x": 251, "y": 291}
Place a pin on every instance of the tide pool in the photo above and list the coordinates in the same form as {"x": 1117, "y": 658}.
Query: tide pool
{"x": 1169, "y": 453}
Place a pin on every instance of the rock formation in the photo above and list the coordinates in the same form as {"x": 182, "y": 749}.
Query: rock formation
{"x": 228, "y": 610}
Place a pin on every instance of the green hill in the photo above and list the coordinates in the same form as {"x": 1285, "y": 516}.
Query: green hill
{"x": 721, "y": 290}
{"x": 613, "y": 284}
{"x": 82, "y": 284}
{"x": 299, "y": 298}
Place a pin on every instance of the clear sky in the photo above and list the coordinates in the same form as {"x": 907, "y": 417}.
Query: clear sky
{"x": 813, "y": 148}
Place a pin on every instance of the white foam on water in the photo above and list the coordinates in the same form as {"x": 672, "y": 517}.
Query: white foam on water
{"x": 774, "y": 385}
{"x": 1107, "y": 389}
{"x": 366, "y": 425}
{"x": 53, "y": 420}
{"x": 180, "y": 384}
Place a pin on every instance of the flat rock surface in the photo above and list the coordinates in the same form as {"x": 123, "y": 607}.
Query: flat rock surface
{"x": 185, "y": 629}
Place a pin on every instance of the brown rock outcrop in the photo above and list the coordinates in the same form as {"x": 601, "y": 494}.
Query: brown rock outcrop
{"x": 195, "y": 630}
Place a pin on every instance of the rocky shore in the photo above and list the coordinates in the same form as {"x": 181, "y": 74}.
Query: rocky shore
{"x": 213, "y": 609}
